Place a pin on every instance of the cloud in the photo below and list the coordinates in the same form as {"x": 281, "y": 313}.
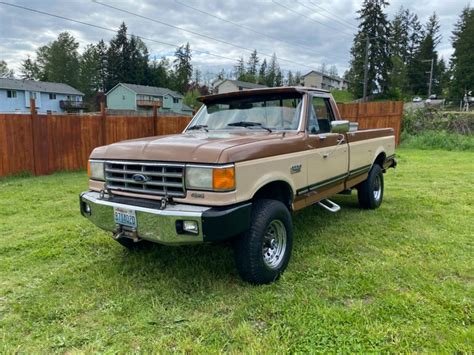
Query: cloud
{"x": 319, "y": 31}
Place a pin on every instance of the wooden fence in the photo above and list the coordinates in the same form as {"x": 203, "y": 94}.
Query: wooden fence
{"x": 43, "y": 144}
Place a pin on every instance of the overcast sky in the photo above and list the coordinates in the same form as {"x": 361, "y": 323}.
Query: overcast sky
{"x": 303, "y": 33}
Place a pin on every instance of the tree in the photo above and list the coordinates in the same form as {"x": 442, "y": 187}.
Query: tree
{"x": 463, "y": 57}
{"x": 298, "y": 78}
{"x": 160, "y": 73}
{"x": 323, "y": 68}
{"x": 5, "y": 72}
{"x": 420, "y": 65}
{"x": 333, "y": 71}
{"x": 273, "y": 75}
{"x": 252, "y": 67}
{"x": 375, "y": 26}
{"x": 58, "y": 61}
{"x": 262, "y": 72}
{"x": 290, "y": 79}
{"x": 29, "y": 70}
{"x": 183, "y": 68}
{"x": 89, "y": 71}
{"x": 239, "y": 69}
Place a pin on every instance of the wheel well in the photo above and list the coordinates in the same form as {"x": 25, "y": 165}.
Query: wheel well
{"x": 276, "y": 190}
{"x": 380, "y": 159}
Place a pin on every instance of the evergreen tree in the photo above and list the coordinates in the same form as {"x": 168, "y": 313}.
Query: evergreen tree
{"x": 463, "y": 57}
{"x": 102, "y": 54}
{"x": 420, "y": 65}
{"x": 375, "y": 26}
{"x": 58, "y": 61}
{"x": 252, "y": 67}
{"x": 239, "y": 69}
{"x": 298, "y": 78}
{"x": 290, "y": 79}
{"x": 400, "y": 32}
{"x": 262, "y": 72}
{"x": 183, "y": 69}
{"x": 89, "y": 71}
{"x": 273, "y": 76}
{"x": 5, "y": 72}
{"x": 29, "y": 70}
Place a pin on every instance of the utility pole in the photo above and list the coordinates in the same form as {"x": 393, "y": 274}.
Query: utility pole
{"x": 431, "y": 75}
{"x": 366, "y": 68}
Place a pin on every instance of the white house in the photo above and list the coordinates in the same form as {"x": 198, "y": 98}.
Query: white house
{"x": 222, "y": 86}
{"x": 15, "y": 96}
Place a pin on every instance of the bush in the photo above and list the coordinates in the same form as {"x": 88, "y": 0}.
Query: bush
{"x": 438, "y": 140}
{"x": 432, "y": 119}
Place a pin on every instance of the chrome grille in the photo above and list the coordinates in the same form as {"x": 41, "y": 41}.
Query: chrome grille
{"x": 159, "y": 178}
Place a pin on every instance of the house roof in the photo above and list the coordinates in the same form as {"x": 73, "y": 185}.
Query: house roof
{"x": 243, "y": 84}
{"x": 149, "y": 90}
{"x": 326, "y": 75}
{"x": 186, "y": 108}
{"x": 41, "y": 86}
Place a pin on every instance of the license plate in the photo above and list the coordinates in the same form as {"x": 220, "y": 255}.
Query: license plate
{"x": 125, "y": 217}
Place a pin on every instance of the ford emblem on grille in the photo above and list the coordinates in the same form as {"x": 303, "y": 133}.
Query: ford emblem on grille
{"x": 139, "y": 178}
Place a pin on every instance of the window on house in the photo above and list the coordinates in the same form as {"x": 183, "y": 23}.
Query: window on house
{"x": 175, "y": 100}
{"x": 52, "y": 96}
{"x": 11, "y": 94}
{"x": 32, "y": 95}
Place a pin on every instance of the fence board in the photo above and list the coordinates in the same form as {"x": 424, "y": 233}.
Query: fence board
{"x": 43, "y": 144}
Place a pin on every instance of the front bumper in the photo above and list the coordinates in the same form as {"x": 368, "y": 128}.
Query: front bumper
{"x": 163, "y": 225}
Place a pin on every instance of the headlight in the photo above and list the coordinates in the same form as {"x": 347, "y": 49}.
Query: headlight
{"x": 210, "y": 178}
{"x": 95, "y": 170}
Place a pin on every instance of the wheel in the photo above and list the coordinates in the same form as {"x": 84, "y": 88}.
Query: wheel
{"x": 263, "y": 252}
{"x": 370, "y": 191}
{"x": 131, "y": 245}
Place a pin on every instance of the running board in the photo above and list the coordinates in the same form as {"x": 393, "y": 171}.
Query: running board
{"x": 329, "y": 205}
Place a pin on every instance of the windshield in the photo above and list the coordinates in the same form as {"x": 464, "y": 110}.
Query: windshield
{"x": 273, "y": 112}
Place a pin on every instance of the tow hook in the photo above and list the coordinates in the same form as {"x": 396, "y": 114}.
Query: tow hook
{"x": 124, "y": 233}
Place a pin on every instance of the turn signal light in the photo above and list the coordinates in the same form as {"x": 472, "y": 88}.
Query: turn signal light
{"x": 223, "y": 179}
{"x": 88, "y": 168}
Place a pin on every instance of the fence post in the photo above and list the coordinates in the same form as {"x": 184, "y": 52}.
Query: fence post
{"x": 155, "y": 118}
{"x": 103, "y": 123}
{"x": 33, "y": 134}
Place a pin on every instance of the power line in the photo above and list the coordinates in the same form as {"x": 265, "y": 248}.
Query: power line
{"x": 111, "y": 30}
{"x": 311, "y": 19}
{"x": 198, "y": 34}
{"x": 335, "y": 17}
{"x": 243, "y": 26}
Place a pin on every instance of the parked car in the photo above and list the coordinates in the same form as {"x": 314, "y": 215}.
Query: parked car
{"x": 433, "y": 97}
{"x": 417, "y": 99}
{"x": 245, "y": 162}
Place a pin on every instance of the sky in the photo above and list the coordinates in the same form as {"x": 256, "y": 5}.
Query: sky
{"x": 303, "y": 33}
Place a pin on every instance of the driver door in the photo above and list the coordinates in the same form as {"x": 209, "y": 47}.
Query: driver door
{"x": 328, "y": 159}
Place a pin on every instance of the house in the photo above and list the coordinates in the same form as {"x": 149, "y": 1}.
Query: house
{"x": 142, "y": 98}
{"x": 315, "y": 79}
{"x": 49, "y": 97}
{"x": 222, "y": 86}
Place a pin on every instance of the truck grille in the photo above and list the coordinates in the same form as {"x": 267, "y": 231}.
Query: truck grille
{"x": 147, "y": 178}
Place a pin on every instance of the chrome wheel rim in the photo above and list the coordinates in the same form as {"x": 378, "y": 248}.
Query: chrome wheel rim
{"x": 377, "y": 188}
{"x": 274, "y": 244}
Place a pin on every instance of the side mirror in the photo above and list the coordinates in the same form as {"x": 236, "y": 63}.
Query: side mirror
{"x": 340, "y": 126}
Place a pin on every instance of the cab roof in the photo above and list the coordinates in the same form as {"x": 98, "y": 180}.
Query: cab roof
{"x": 261, "y": 91}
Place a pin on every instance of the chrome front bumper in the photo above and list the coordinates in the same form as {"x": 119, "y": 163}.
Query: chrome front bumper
{"x": 162, "y": 225}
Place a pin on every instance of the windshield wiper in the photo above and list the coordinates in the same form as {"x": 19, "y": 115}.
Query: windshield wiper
{"x": 248, "y": 124}
{"x": 199, "y": 126}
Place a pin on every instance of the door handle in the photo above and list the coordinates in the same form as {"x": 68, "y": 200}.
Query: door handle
{"x": 340, "y": 139}
{"x": 321, "y": 138}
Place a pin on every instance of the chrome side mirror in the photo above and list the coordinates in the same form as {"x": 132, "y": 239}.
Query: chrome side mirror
{"x": 340, "y": 126}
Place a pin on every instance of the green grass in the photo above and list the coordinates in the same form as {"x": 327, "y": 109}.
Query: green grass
{"x": 397, "y": 279}
{"x": 342, "y": 96}
{"x": 439, "y": 140}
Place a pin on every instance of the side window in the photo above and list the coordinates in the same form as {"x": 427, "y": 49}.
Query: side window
{"x": 320, "y": 116}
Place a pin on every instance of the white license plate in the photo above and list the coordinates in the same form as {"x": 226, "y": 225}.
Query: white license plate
{"x": 125, "y": 217}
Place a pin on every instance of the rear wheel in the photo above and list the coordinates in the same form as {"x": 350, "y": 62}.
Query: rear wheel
{"x": 370, "y": 192}
{"x": 263, "y": 252}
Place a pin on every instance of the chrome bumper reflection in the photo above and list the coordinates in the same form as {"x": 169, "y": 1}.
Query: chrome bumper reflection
{"x": 152, "y": 224}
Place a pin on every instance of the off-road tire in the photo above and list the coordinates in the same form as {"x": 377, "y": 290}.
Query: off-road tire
{"x": 368, "y": 198}
{"x": 267, "y": 216}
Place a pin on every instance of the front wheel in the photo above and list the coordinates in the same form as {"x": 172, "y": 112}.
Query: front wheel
{"x": 370, "y": 191}
{"x": 263, "y": 252}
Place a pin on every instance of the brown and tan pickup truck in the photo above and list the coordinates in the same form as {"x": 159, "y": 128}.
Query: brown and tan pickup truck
{"x": 245, "y": 161}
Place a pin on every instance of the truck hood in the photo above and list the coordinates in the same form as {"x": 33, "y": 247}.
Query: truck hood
{"x": 202, "y": 147}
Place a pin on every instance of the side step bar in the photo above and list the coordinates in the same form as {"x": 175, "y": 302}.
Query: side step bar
{"x": 329, "y": 205}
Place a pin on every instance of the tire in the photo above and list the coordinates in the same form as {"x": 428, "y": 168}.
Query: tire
{"x": 262, "y": 253}
{"x": 370, "y": 191}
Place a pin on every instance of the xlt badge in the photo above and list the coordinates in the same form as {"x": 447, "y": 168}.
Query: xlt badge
{"x": 295, "y": 168}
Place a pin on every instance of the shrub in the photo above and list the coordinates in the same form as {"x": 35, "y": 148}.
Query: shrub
{"x": 432, "y": 119}
{"x": 438, "y": 140}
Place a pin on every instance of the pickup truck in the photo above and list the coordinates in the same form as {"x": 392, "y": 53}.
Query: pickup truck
{"x": 245, "y": 162}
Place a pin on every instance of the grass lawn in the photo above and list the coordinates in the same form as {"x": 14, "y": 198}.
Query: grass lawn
{"x": 400, "y": 278}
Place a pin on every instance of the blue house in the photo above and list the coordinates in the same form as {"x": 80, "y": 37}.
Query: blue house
{"x": 15, "y": 96}
{"x": 142, "y": 98}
